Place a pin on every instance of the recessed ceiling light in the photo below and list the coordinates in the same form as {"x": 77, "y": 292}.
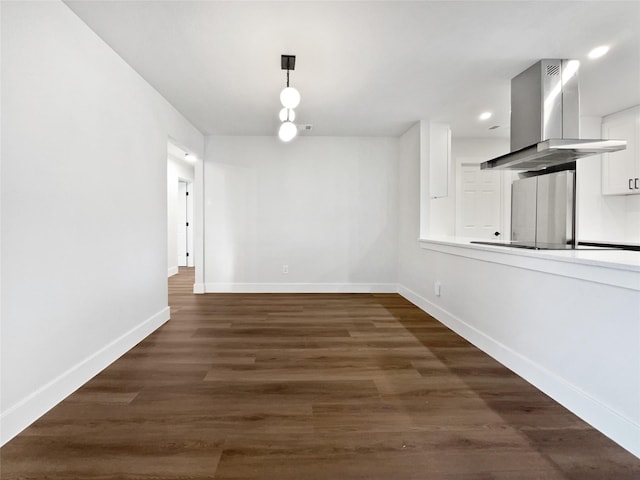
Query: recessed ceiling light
{"x": 485, "y": 116}
{"x": 598, "y": 51}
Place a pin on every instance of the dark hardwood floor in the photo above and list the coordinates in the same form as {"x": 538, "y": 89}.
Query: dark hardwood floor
{"x": 304, "y": 387}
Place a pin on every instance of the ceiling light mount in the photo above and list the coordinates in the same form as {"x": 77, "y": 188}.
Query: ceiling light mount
{"x": 288, "y": 62}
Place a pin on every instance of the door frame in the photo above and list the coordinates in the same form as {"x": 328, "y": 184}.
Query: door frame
{"x": 196, "y": 255}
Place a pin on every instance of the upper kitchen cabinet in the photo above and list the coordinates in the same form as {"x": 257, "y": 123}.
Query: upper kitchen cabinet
{"x": 621, "y": 170}
{"x": 439, "y": 159}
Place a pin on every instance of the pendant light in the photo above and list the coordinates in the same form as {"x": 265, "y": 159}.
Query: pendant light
{"x": 290, "y": 98}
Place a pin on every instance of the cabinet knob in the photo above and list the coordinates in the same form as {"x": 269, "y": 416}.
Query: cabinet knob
{"x": 631, "y": 184}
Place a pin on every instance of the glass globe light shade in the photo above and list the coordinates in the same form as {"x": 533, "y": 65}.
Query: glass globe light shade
{"x": 287, "y": 131}
{"x": 287, "y": 114}
{"x": 290, "y": 97}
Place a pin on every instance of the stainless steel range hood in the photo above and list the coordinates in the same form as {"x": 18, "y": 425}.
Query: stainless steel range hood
{"x": 545, "y": 120}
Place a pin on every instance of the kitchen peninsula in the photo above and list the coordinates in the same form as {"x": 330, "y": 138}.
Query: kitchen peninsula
{"x": 567, "y": 321}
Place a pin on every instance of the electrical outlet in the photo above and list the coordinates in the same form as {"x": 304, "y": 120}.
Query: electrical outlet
{"x": 285, "y": 268}
{"x": 436, "y": 288}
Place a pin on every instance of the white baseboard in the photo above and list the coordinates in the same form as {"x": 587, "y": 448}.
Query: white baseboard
{"x": 300, "y": 288}
{"x": 198, "y": 288}
{"x": 172, "y": 271}
{"x": 620, "y": 429}
{"x": 22, "y": 414}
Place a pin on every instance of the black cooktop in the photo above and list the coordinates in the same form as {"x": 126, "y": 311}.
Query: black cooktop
{"x": 580, "y": 246}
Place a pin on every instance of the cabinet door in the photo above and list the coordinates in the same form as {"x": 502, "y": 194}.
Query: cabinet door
{"x": 621, "y": 170}
{"x": 439, "y": 160}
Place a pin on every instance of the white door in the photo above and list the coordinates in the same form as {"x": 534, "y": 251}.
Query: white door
{"x": 190, "y": 235}
{"x": 479, "y": 212}
{"x": 183, "y": 224}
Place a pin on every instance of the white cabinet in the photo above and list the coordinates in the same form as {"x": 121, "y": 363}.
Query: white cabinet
{"x": 621, "y": 170}
{"x": 439, "y": 160}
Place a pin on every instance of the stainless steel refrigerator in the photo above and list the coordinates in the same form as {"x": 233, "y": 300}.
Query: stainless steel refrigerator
{"x": 542, "y": 211}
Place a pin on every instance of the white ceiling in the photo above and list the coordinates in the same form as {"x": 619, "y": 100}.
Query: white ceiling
{"x": 366, "y": 68}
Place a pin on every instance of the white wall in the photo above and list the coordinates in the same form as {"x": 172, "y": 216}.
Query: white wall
{"x": 324, "y": 206}
{"x": 578, "y": 340}
{"x": 84, "y": 207}
{"x": 480, "y": 148}
{"x": 612, "y": 218}
{"x": 408, "y": 203}
{"x": 177, "y": 169}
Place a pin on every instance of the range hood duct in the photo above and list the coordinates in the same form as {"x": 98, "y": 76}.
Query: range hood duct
{"x": 545, "y": 120}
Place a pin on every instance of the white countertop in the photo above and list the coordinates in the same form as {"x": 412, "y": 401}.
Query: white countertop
{"x": 602, "y": 265}
{"x": 605, "y": 257}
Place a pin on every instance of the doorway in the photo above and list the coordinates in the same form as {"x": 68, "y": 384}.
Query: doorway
{"x": 180, "y": 209}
